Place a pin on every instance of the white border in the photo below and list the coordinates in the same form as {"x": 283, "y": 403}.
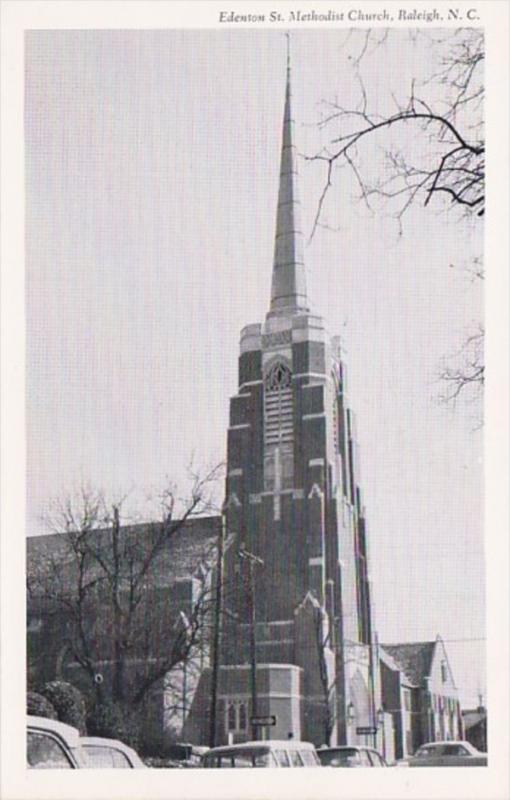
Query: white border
{"x": 16, "y": 782}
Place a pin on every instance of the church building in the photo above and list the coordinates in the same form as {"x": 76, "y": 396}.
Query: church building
{"x": 293, "y": 652}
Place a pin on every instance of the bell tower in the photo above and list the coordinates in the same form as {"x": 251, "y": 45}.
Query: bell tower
{"x": 293, "y": 503}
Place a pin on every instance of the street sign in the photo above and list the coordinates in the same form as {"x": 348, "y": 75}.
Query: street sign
{"x": 263, "y": 721}
{"x": 367, "y": 731}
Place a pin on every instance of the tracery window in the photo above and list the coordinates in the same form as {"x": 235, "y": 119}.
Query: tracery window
{"x": 279, "y": 377}
{"x": 278, "y": 405}
{"x": 236, "y": 716}
{"x": 278, "y": 427}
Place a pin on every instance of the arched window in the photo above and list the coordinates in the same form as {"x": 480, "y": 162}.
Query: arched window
{"x": 236, "y": 716}
{"x": 278, "y": 427}
{"x": 279, "y": 377}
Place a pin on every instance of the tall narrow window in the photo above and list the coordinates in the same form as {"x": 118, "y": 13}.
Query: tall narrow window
{"x": 334, "y": 408}
{"x": 278, "y": 427}
{"x": 243, "y": 717}
{"x": 231, "y": 717}
{"x": 236, "y": 716}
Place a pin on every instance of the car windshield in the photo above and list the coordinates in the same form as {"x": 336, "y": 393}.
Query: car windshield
{"x": 434, "y": 750}
{"x": 309, "y": 758}
{"x": 45, "y": 752}
{"x": 247, "y": 757}
{"x": 455, "y": 750}
{"x": 347, "y": 757}
{"x": 105, "y": 757}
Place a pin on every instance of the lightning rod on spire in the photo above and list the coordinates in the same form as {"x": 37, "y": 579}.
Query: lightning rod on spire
{"x": 287, "y": 36}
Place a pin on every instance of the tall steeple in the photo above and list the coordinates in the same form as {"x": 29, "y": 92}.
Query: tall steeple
{"x": 288, "y": 290}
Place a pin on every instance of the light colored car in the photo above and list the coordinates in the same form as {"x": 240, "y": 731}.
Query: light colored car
{"x": 448, "y": 754}
{"x": 269, "y": 753}
{"x": 53, "y": 745}
{"x": 347, "y": 756}
{"x": 110, "y": 754}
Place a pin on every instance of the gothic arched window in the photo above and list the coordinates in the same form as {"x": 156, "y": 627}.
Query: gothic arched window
{"x": 278, "y": 427}
{"x": 279, "y": 377}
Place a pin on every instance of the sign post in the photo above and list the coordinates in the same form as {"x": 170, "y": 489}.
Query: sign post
{"x": 367, "y": 730}
{"x": 262, "y": 722}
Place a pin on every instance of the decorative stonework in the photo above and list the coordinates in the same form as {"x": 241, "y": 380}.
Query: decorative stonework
{"x": 277, "y": 338}
{"x": 233, "y": 500}
{"x": 278, "y": 377}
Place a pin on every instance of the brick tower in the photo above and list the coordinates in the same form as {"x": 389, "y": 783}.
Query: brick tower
{"x": 297, "y": 621}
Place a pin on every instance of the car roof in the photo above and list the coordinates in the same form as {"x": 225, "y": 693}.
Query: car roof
{"x": 290, "y": 743}
{"x": 100, "y": 741}
{"x": 114, "y": 744}
{"x": 343, "y": 747}
{"x": 67, "y": 732}
{"x": 446, "y": 741}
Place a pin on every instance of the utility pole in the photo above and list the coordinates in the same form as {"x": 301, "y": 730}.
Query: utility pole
{"x": 252, "y": 560}
{"x": 371, "y": 667}
{"x": 218, "y": 611}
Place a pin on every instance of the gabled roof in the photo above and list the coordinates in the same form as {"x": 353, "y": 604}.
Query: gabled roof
{"x": 414, "y": 658}
{"x": 472, "y": 718}
{"x": 390, "y": 662}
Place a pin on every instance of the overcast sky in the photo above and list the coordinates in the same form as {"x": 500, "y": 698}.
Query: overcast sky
{"x": 152, "y": 163}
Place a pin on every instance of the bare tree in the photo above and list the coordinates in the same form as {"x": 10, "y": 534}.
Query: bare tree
{"x": 106, "y": 583}
{"x": 454, "y": 159}
{"x": 466, "y": 368}
{"x": 434, "y": 146}
{"x": 324, "y": 643}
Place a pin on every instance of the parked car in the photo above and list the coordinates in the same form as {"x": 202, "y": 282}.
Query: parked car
{"x": 53, "y": 745}
{"x": 185, "y": 755}
{"x": 270, "y": 753}
{"x": 110, "y": 753}
{"x": 347, "y": 756}
{"x": 448, "y": 754}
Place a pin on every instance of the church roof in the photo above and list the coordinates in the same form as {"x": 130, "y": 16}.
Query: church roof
{"x": 473, "y": 717}
{"x": 288, "y": 290}
{"x": 414, "y": 658}
{"x": 388, "y": 660}
{"x": 188, "y": 547}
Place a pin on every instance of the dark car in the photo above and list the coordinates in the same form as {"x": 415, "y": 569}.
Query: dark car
{"x": 185, "y": 755}
{"x": 350, "y": 756}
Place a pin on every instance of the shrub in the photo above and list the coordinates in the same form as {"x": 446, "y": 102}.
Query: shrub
{"x": 68, "y": 703}
{"x": 114, "y": 721}
{"x": 40, "y": 706}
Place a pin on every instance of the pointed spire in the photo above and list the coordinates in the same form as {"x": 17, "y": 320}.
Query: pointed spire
{"x": 288, "y": 290}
